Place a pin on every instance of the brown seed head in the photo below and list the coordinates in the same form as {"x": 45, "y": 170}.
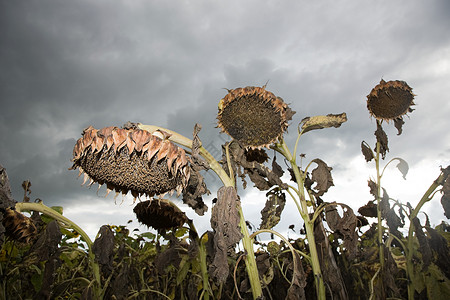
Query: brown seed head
{"x": 131, "y": 160}
{"x": 253, "y": 116}
{"x": 159, "y": 214}
{"x": 18, "y": 227}
{"x": 390, "y": 100}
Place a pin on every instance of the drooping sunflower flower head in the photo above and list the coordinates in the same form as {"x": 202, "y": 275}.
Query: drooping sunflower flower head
{"x": 159, "y": 214}
{"x": 391, "y": 101}
{"x": 254, "y": 117}
{"x": 132, "y": 160}
{"x": 18, "y": 227}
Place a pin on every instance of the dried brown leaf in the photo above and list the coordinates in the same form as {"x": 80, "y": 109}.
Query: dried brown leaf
{"x": 382, "y": 139}
{"x": 320, "y": 122}
{"x": 445, "y": 200}
{"x": 103, "y": 248}
{"x": 344, "y": 226}
{"x": 225, "y": 223}
{"x": 271, "y": 213}
{"x": 369, "y": 210}
{"x": 366, "y": 151}
{"x": 322, "y": 176}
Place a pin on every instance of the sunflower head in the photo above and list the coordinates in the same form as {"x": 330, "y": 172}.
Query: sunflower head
{"x": 391, "y": 101}
{"x": 132, "y": 160}
{"x": 18, "y": 227}
{"x": 253, "y": 116}
{"x": 160, "y": 214}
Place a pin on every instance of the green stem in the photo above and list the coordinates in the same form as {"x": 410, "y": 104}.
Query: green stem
{"x": 309, "y": 224}
{"x": 202, "y": 258}
{"x": 380, "y": 226}
{"x": 410, "y": 251}
{"x": 250, "y": 261}
{"x": 39, "y": 207}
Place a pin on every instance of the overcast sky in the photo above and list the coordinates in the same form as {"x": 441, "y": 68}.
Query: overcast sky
{"x": 65, "y": 65}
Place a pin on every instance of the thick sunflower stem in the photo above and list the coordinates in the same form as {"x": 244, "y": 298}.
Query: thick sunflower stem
{"x": 40, "y": 207}
{"x": 379, "y": 217}
{"x": 309, "y": 223}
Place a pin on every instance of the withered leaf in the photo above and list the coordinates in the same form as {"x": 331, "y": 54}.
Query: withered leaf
{"x": 392, "y": 219}
{"x": 258, "y": 155}
{"x": 424, "y": 248}
{"x": 276, "y": 168}
{"x": 259, "y": 174}
{"x": 344, "y": 226}
{"x": 445, "y": 200}
{"x": 6, "y": 200}
{"x": 47, "y": 243}
{"x": 369, "y": 210}
{"x": 366, "y": 151}
{"x": 330, "y": 270}
{"x": 402, "y": 166}
{"x": 322, "y": 176}
{"x": 382, "y": 139}
{"x": 297, "y": 290}
{"x": 103, "y": 248}
{"x": 398, "y": 123}
{"x": 373, "y": 188}
{"x": 169, "y": 257}
{"x": 225, "y": 223}
{"x": 320, "y": 122}
{"x": 271, "y": 213}
{"x": 439, "y": 244}
{"x": 195, "y": 189}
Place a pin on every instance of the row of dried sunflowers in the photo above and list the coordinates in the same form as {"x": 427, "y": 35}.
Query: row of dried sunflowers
{"x": 144, "y": 163}
{"x": 132, "y": 160}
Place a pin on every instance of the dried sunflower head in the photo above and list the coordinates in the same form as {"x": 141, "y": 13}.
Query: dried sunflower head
{"x": 132, "y": 160}
{"x": 18, "y": 227}
{"x": 159, "y": 214}
{"x": 253, "y": 116}
{"x": 391, "y": 101}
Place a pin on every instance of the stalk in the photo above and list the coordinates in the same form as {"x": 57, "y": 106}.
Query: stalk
{"x": 409, "y": 251}
{"x": 309, "y": 223}
{"x": 380, "y": 226}
{"x": 40, "y": 207}
{"x": 250, "y": 261}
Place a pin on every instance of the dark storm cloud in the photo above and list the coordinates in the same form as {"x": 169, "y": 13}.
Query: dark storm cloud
{"x": 66, "y": 65}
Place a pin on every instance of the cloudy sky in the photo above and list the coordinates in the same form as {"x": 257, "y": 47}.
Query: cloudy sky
{"x": 65, "y": 65}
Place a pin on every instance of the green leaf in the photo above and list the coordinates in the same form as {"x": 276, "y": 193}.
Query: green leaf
{"x": 36, "y": 278}
{"x": 181, "y": 232}
{"x": 438, "y": 286}
{"x": 184, "y": 269}
{"x": 148, "y": 235}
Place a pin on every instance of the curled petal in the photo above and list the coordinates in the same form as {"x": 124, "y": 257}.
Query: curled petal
{"x": 130, "y": 145}
{"x": 119, "y": 137}
{"x": 140, "y": 137}
{"x": 163, "y": 150}
{"x": 154, "y": 146}
{"x": 106, "y": 131}
{"x": 172, "y": 155}
{"x": 78, "y": 149}
{"x": 97, "y": 144}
